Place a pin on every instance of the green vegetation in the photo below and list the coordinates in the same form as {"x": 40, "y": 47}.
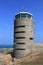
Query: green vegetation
{"x": 31, "y": 63}
{"x": 6, "y": 50}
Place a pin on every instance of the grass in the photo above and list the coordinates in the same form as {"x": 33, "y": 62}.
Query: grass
{"x": 37, "y": 61}
{"x": 31, "y": 63}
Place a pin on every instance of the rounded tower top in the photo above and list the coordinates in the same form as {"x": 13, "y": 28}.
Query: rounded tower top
{"x": 23, "y": 15}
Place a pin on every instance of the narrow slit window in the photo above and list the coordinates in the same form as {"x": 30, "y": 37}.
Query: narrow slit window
{"x": 20, "y": 43}
{"x": 20, "y": 32}
{"x": 31, "y": 38}
{"x": 19, "y": 26}
{"x": 19, "y": 49}
{"x": 19, "y": 37}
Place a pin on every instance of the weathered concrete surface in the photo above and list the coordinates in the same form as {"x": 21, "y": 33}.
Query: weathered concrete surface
{"x": 28, "y": 23}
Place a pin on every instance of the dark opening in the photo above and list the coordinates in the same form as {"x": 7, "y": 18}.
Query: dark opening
{"x": 31, "y": 38}
{"x": 19, "y": 26}
{"x": 20, "y": 32}
{"x": 19, "y": 49}
{"x": 19, "y": 37}
{"x": 20, "y": 43}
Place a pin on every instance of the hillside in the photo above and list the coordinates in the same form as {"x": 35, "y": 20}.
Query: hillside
{"x": 35, "y": 57}
{"x": 32, "y": 59}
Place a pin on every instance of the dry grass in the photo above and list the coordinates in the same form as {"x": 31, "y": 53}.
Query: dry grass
{"x": 33, "y": 59}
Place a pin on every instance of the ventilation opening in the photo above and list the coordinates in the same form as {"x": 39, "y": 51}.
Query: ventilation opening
{"x": 20, "y": 32}
{"x": 19, "y": 37}
{"x": 31, "y": 38}
{"x": 19, "y": 49}
{"x": 20, "y": 43}
{"x": 19, "y": 26}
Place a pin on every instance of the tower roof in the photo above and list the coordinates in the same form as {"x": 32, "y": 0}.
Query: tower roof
{"x": 23, "y": 15}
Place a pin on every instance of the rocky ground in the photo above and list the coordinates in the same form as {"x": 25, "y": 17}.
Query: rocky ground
{"x": 32, "y": 59}
{"x": 5, "y": 59}
{"x": 5, "y": 56}
{"x": 35, "y": 58}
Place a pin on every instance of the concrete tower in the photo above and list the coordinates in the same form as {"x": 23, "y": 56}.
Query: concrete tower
{"x": 23, "y": 34}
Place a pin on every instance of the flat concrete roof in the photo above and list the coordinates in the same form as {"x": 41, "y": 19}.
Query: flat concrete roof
{"x": 25, "y": 12}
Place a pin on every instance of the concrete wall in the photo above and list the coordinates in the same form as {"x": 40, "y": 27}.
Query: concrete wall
{"x": 22, "y": 36}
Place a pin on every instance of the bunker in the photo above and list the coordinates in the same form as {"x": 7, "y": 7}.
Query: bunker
{"x": 23, "y": 33}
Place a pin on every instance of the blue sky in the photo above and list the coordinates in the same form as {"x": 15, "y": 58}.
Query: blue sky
{"x": 8, "y": 9}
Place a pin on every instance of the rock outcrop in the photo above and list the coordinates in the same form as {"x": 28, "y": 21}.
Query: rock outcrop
{"x": 5, "y": 59}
